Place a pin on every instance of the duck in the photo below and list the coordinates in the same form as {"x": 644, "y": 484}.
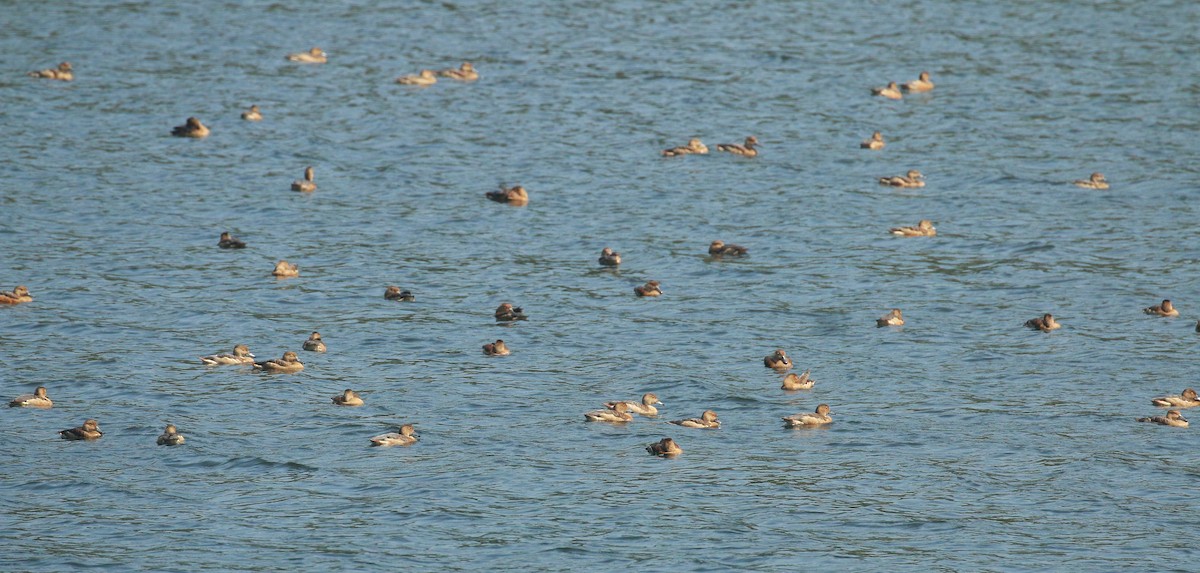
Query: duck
{"x": 921, "y": 84}
{"x": 694, "y": 145}
{"x": 719, "y": 248}
{"x": 777, "y": 360}
{"x": 745, "y": 149}
{"x": 893, "y": 318}
{"x": 407, "y": 436}
{"x": 665, "y": 447}
{"x": 497, "y": 348}
{"x": 818, "y": 417}
{"x": 62, "y": 73}
{"x": 889, "y": 91}
{"x": 1164, "y": 309}
{"x": 241, "y": 355}
{"x": 348, "y": 398}
{"x": 646, "y": 407}
{"x": 911, "y": 179}
{"x": 90, "y": 430}
{"x": 649, "y": 289}
{"x": 19, "y": 295}
{"x": 1096, "y": 181}
{"x": 252, "y": 114}
{"x": 286, "y": 269}
{"x": 797, "y": 382}
{"x": 1173, "y": 418}
{"x": 394, "y": 293}
{"x": 314, "y": 343}
{"x": 1186, "y": 399}
{"x": 707, "y": 420}
{"x": 305, "y": 185}
{"x": 924, "y": 228}
{"x": 39, "y": 399}
{"x": 171, "y": 436}
{"x": 192, "y": 128}
{"x": 1044, "y": 323}
{"x": 425, "y": 78}
{"x": 227, "y": 241}
{"x": 618, "y": 413}
{"x": 610, "y": 258}
{"x": 506, "y": 312}
{"x": 289, "y": 364}
{"x": 876, "y": 142}
{"x": 465, "y": 73}
{"x": 314, "y": 56}
{"x": 515, "y": 195}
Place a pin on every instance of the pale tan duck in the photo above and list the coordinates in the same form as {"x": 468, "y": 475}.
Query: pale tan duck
{"x": 515, "y": 195}
{"x": 651, "y": 288}
{"x": 241, "y": 355}
{"x": 720, "y": 248}
{"x": 924, "y": 228}
{"x": 694, "y": 146}
{"x": 619, "y": 414}
{"x": 506, "y": 312}
{"x": 252, "y": 114}
{"x": 17, "y": 296}
{"x": 795, "y": 381}
{"x": 777, "y": 360}
{"x": 1173, "y": 418}
{"x": 707, "y": 421}
{"x": 665, "y": 447}
{"x": 425, "y": 78}
{"x": 497, "y": 348}
{"x": 348, "y": 398}
{"x": 170, "y": 436}
{"x": 645, "y": 408}
{"x": 921, "y": 84}
{"x": 913, "y": 178}
{"x": 819, "y": 417}
{"x": 63, "y": 73}
{"x": 286, "y": 269}
{"x": 609, "y": 257}
{"x": 288, "y": 364}
{"x": 407, "y": 436}
{"x": 876, "y": 142}
{"x": 313, "y": 56}
{"x": 893, "y": 318}
{"x": 1096, "y": 181}
{"x": 394, "y": 293}
{"x": 39, "y": 399}
{"x": 1044, "y": 323}
{"x": 748, "y": 148}
{"x": 90, "y": 430}
{"x": 1164, "y": 309}
{"x": 191, "y": 128}
{"x": 1186, "y": 399}
{"x": 306, "y": 185}
{"x": 890, "y": 91}
{"x": 314, "y": 343}
{"x": 464, "y": 73}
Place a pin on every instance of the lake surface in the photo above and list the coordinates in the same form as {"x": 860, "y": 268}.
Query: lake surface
{"x": 961, "y": 442}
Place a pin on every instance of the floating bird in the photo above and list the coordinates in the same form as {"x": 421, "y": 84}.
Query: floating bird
{"x": 497, "y": 348}
{"x": 1164, "y": 309}
{"x": 227, "y": 241}
{"x": 665, "y": 447}
{"x": 394, "y": 293}
{"x": 252, "y": 114}
{"x": 797, "y": 382}
{"x": 90, "y": 430}
{"x": 241, "y": 355}
{"x": 193, "y": 128}
{"x": 890, "y": 91}
{"x": 707, "y": 420}
{"x": 1044, "y": 323}
{"x": 289, "y": 364}
{"x": 62, "y": 72}
{"x": 306, "y": 185}
{"x": 693, "y": 146}
{"x": 819, "y": 417}
{"x": 921, "y": 84}
{"x": 645, "y": 407}
{"x": 619, "y": 413}
{"x": 314, "y": 56}
{"x": 406, "y": 437}
{"x": 876, "y": 142}
{"x": 746, "y": 149}
{"x": 1187, "y": 399}
{"x": 314, "y": 343}
{"x": 911, "y": 179}
{"x": 39, "y": 399}
{"x": 648, "y": 289}
{"x": 465, "y": 72}
{"x": 924, "y": 228}
{"x": 1173, "y": 418}
{"x": 348, "y": 398}
{"x": 893, "y": 318}
{"x": 425, "y": 78}
{"x": 610, "y": 258}
{"x": 1096, "y": 181}
{"x": 171, "y": 436}
{"x": 286, "y": 269}
{"x": 17, "y": 296}
{"x": 720, "y": 248}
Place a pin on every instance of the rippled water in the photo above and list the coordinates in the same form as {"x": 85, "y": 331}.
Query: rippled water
{"x": 961, "y": 441}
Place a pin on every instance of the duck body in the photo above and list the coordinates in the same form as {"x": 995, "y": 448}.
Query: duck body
{"x": 313, "y": 56}
{"x": 749, "y": 148}
{"x": 171, "y": 437}
{"x": 707, "y": 421}
{"x": 1187, "y": 399}
{"x": 924, "y": 228}
{"x": 893, "y": 318}
{"x": 348, "y": 398}
{"x": 62, "y": 73}
{"x": 289, "y": 364}
{"x": 876, "y": 142}
{"x": 425, "y": 78}
{"x": 797, "y": 382}
{"x": 665, "y": 447}
{"x": 19, "y": 295}
{"x": 227, "y": 241}
{"x": 314, "y": 343}
{"x": 921, "y": 84}
{"x": 516, "y": 195}
{"x": 306, "y": 185}
{"x": 90, "y": 430}
{"x": 407, "y": 436}
{"x": 394, "y": 293}
{"x": 618, "y": 413}
{"x": 497, "y": 348}
{"x": 1044, "y": 323}
{"x": 464, "y": 73}
{"x": 890, "y": 91}
{"x": 193, "y": 128}
{"x": 646, "y": 407}
{"x": 241, "y": 355}
{"x": 1173, "y": 418}
{"x": 720, "y": 248}
{"x": 1164, "y": 309}
{"x": 1096, "y": 181}
{"x": 609, "y": 258}
{"x": 38, "y": 399}
{"x": 694, "y": 146}
{"x": 252, "y": 114}
{"x": 651, "y": 288}
{"x": 506, "y": 312}
{"x": 286, "y": 269}
{"x": 819, "y": 417}
{"x": 911, "y": 179}
{"x": 777, "y": 360}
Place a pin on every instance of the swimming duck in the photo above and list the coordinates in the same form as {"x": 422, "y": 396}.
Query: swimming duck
{"x": 610, "y": 258}
{"x": 241, "y": 355}
{"x": 1187, "y": 399}
{"x": 286, "y": 269}
{"x": 506, "y": 312}
{"x": 193, "y": 128}
{"x": 17, "y": 296}
{"x": 777, "y": 360}
{"x": 1096, "y": 181}
{"x": 465, "y": 72}
{"x": 314, "y": 343}
{"x": 497, "y": 348}
{"x": 819, "y": 417}
{"x": 894, "y": 318}
{"x": 645, "y": 407}
{"x": 305, "y": 185}
{"x": 876, "y": 142}
{"x": 90, "y": 430}
{"x": 314, "y": 56}
{"x": 746, "y": 149}
{"x": 708, "y": 420}
{"x": 921, "y": 84}
{"x": 719, "y": 248}
{"x": 1173, "y": 418}
{"x": 425, "y": 78}
{"x": 394, "y": 293}
{"x": 797, "y": 382}
{"x": 923, "y": 229}
{"x": 1044, "y": 323}
{"x": 62, "y": 72}
{"x": 665, "y": 447}
{"x": 513, "y": 195}
{"x": 1164, "y": 309}
{"x": 911, "y": 179}
{"x": 619, "y": 413}
{"x": 289, "y": 364}
{"x": 171, "y": 437}
{"x": 39, "y": 399}
{"x": 890, "y": 91}
{"x": 252, "y": 114}
{"x": 348, "y": 398}
{"x": 228, "y": 242}
{"x": 648, "y": 289}
{"x": 407, "y": 437}
{"x": 694, "y": 145}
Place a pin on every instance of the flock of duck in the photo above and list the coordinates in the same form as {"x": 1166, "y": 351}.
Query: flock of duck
{"x": 614, "y": 412}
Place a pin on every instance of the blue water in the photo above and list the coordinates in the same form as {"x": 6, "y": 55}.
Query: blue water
{"x": 961, "y": 442}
